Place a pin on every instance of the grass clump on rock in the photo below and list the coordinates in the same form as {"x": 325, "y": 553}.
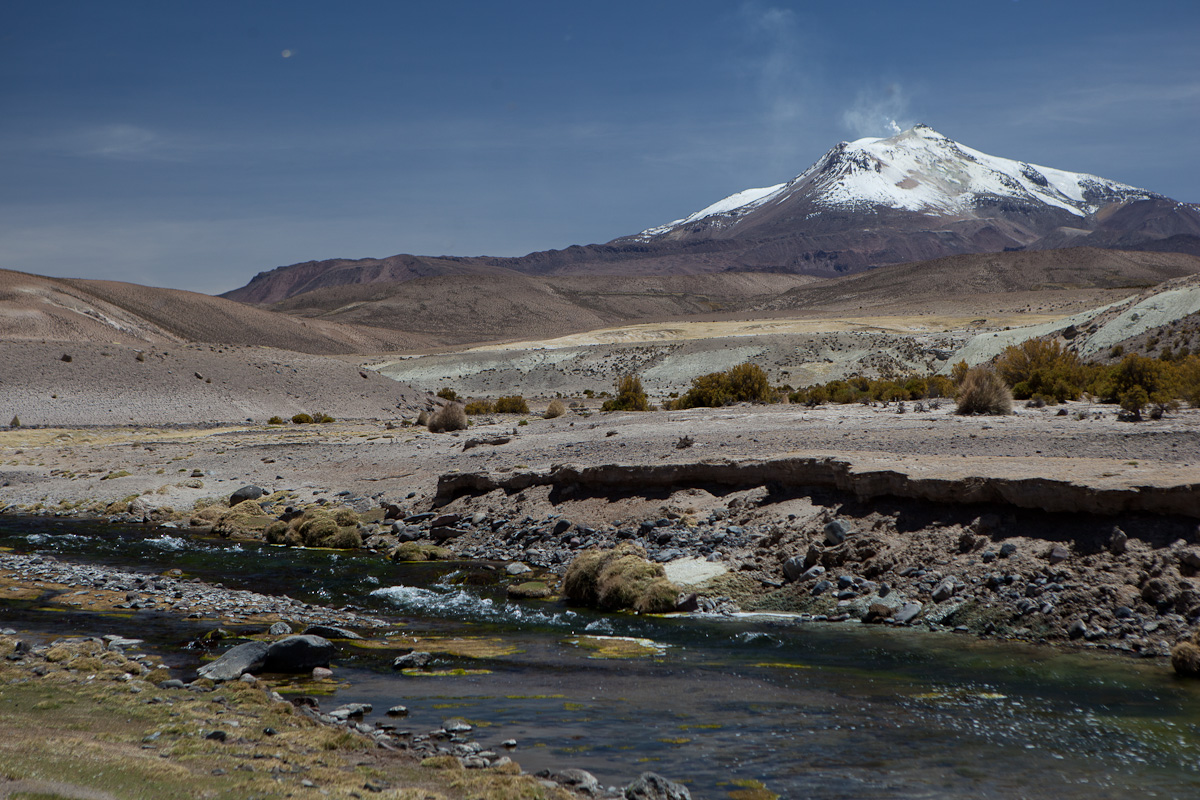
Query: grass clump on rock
{"x": 620, "y": 578}
{"x": 983, "y": 392}
{"x": 414, "y": 551}
{"x": 450, "y": 417}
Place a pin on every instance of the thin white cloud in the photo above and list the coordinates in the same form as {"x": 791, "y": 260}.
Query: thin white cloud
{"x": 881, "y": 111}
{"x": 119, "y": 142}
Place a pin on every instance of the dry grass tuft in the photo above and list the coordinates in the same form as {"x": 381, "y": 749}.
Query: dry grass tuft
{"x": 450, "y": 417}
{"x": 983, "y": 392}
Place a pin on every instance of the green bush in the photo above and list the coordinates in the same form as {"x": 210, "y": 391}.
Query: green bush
{"x": 514, "y": 404}
{"x": 16, "y": 422}
{"x": 446, "y": 393}
{"x": 302, "y": 419}
{"x": 630, "y": 396}
{"x": 276, "y": 420}
{"x": 477, "y": 407}
{"x": 744, "y": 383}
{"x": 1042, "y": 367}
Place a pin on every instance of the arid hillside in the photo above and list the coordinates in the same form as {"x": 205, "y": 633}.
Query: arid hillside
{"x": 36, "y": 308}
{"x": 460, "y": 309}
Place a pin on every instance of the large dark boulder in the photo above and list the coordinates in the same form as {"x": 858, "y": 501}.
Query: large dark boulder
{"x": 237, "y": 661}
{"x": 299, "y": 654}
{"x": 250, "y": 492}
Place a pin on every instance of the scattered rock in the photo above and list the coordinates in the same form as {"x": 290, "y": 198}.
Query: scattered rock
{"x": 944, "y": 590}
{"x": 878, "y": 612}
{"x": 1058, "y": 554}
{"x": 322, "y": 674}
{"x": 907, "y": 613}
{"x": 280, "y": 628}
{"x": 517, "y": 568}
{"x": 836, "y": 532}
{"x": 652, "y": 786}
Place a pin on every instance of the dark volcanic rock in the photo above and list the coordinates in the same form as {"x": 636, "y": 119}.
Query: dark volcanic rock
{"x": 237, "y": 661}
{"x": 299, "y": 654}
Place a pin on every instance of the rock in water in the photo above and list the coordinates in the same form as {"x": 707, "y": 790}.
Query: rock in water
{"x": 652, "y": 786}
{"x": 249, "y": 492}
{"x": 412, "y": 660}
{"x": 237, "y": 661}
{"x": 299, "y": 654}
{"x": 330, "y": 632}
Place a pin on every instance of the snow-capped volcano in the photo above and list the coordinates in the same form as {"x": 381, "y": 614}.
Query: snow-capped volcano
{"x": 918, "y": 170}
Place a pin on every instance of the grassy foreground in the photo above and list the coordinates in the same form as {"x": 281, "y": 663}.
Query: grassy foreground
{"x": 78, "y": 721}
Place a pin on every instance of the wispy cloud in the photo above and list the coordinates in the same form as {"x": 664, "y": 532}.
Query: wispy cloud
{"x": 120, "y": 142}
{"x": 783, "y": 72}
{"x": 878, "y": 111}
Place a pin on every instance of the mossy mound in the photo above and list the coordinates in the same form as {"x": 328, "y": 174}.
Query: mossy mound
{"x": 245, "y": 519}
{"x": 620, "y": 578}
{"x": 318, "y": 526}
{"x": 414, "y": 551}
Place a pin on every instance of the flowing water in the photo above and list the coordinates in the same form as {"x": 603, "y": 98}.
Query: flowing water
{"x": 808, "y": 709}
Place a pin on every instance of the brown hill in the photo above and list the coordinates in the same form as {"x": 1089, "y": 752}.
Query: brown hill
{"x": 919, "y": 284}
{"x": 467, "y": 309}
{"x": 37, "y": 308}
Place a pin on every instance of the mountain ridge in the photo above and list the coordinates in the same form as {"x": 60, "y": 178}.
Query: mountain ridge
{"x": 915, "y": 196}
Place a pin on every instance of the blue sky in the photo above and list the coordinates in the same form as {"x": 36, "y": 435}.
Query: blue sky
{"x": 192, "y": 145}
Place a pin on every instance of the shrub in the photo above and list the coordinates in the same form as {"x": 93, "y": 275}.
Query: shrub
{"x": 982, "y": 392}
{"x": 276, "y": 420}
{"x": 739, "y": 384}
{"x": 555, "y": 410}
{"x": 446, "y": 393}
{"x": 476, "y": 407}
{"x": 958, "y": 372}
{"x": 450, "y": 417}
{"x": 1133, "y": 400}
{"x": 302, "y": 419}
{"x": 1041, "y": 367}
{"x": 514, "y": 404}
{"x": 323, "y": 418}
{"x": 423, "y": 418}
{"x": 16, "y": 422}
{"x": 630, "y": 396}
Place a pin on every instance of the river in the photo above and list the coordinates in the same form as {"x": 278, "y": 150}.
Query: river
{"x": 810, "y": 710}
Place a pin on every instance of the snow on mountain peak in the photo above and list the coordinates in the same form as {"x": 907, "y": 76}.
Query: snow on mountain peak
{"x": 917, "y": 170}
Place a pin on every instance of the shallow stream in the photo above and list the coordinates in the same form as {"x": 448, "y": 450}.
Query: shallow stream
{"x": 808, "y": 709}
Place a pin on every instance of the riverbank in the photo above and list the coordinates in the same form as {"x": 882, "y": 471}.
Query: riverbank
{"x": 123, "y": 717}
{"x": 1062, "y": 525}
